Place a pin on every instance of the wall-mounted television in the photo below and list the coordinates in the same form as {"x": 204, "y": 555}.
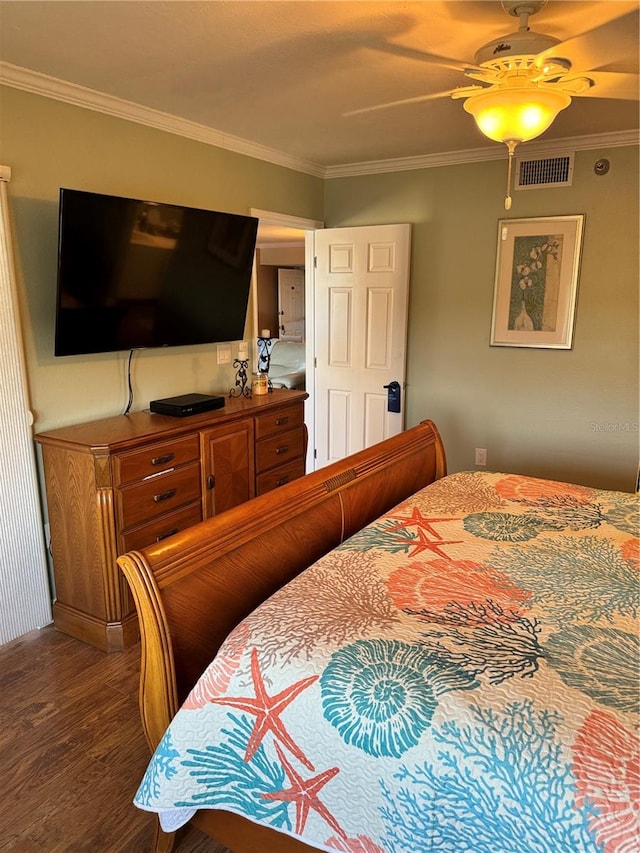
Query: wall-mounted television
{"x": 134, "y": 273}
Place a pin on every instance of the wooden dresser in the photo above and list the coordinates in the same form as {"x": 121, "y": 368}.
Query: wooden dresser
{"x": 122, "y": 483}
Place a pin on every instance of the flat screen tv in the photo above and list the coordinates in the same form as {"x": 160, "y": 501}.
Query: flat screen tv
{"x": 134, "y": 273}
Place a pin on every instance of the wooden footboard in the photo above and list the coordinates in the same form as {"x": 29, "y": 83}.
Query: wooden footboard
{"x": 192, "y": 589}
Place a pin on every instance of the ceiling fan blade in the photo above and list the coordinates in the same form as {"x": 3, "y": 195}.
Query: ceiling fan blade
{"x": 422, "y": 56}
{"x": 609, "y": 84}
{"x": 458, "y": 92}
{"x": 613, "y": 42}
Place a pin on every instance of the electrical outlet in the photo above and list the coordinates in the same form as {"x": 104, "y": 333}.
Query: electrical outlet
{"x": 224, "y": 354}
{"x": 481, "y": 456}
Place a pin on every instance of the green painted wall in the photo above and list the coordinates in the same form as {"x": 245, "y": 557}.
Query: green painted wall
{"x": 48, "y": 144}
{"x": 564, "y": 414}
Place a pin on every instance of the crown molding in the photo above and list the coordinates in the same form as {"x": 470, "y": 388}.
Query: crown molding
{"x": 479, "y": 155}
{"x": 51, "y": 87}
{"x": 90, "y": 99}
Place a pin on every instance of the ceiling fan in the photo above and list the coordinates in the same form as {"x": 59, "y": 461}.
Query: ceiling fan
{"x": 525, "y": 78}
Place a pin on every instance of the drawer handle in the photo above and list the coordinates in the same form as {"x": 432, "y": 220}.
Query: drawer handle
{"x": 282, "y": 481}
{"x": 165, "y": 535}
{"x": 282, "y": 421}
{"x": 283, "y": 449}
{"x": 164, "y": 496}
{"x": 160, "y": 460}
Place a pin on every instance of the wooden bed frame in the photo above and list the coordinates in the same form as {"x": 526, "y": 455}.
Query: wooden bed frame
{"x": 192, "y": 589}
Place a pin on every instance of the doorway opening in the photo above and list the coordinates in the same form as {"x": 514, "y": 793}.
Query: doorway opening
{"x": 286, "y": 243}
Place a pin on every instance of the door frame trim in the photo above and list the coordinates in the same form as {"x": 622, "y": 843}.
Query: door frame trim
{"x": 310, "y": 226}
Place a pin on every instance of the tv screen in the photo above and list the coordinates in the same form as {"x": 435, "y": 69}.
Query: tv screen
{"x": 134, "y": 273}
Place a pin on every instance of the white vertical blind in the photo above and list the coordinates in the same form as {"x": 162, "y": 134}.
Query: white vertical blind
{"x": 24, "y": 590}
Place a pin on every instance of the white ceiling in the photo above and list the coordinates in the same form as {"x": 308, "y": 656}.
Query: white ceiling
{"x": 279, "y": 77}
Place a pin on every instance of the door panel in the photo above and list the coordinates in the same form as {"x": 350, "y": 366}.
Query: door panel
{"x": 340, "y": 325}
{"x": 378, "y": 327}
{"x": 375, "y": 409}
{"x": 339, "y": 423}
{"x": 361, "y": 300}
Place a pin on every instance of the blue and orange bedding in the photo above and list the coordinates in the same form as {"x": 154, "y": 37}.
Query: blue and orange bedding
{"x": 460, "y": 675}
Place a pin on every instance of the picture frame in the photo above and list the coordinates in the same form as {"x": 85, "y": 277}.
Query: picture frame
{"x": 536, "y": 282}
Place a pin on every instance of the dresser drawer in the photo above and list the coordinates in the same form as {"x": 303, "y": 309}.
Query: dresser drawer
{"x": 279, "y": 450}
{"x": 156, "y": 496}
{"x": 161, "y": 528}
{"x": 283, "y": 420}
{"x": 137, "y": 464}
{"x": 279, "y": 476}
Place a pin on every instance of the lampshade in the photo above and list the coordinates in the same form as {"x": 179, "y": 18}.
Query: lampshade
{"x": 515, "y": 113}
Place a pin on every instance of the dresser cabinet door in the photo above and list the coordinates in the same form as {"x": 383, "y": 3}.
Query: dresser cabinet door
{"x": 227, "y": 467}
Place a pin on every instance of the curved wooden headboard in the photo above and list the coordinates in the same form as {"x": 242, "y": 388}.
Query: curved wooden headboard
{"x": 190, "y": 590}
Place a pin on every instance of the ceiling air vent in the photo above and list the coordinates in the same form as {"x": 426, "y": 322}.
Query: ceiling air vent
{"x": 537, "y": 172}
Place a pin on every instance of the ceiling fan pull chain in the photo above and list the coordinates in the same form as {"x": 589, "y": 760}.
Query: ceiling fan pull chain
{"x": 511, "y": 145}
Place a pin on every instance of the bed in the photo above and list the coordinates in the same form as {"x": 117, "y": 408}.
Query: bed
{"x": 380, "y": 658}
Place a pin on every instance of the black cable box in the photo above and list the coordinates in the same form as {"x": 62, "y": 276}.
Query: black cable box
{"x": 186, "y": 404}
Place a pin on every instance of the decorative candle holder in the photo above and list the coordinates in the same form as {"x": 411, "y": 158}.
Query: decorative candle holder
{"x": 241, "y": 388}
{"x": 264, "y": 358}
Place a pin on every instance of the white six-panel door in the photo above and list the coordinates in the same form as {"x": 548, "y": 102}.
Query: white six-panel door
{"x": 291, "y": 304}
{"x": 361, "y": 300}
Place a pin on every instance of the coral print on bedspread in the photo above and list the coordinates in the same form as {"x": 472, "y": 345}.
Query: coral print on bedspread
{"x": 460, "y": 675}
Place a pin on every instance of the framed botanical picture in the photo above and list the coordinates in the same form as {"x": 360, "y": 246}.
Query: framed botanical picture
{"x": 536, "y": 284}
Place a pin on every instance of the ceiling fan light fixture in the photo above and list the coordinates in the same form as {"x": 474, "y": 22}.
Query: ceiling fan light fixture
{"x": 515, "y": 113}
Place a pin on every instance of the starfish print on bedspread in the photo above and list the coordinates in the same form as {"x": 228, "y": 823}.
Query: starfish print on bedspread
{"x": 416, "y": 519}
{"x": 421, "y": 543}
{"x": 304, "y": 792}
{"x": 267, "y": 710}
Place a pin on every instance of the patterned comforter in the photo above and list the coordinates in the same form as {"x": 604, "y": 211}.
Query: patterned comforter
{"x": 460, "y": 675}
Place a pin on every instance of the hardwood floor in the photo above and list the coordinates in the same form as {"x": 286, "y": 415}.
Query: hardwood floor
{"x": 73, "y": 751}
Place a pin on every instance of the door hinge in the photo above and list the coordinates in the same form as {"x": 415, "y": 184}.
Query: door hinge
{"x": 315, "y": 262}
{"x": 315, "y": 361}
{"x": 315, "y": 453}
